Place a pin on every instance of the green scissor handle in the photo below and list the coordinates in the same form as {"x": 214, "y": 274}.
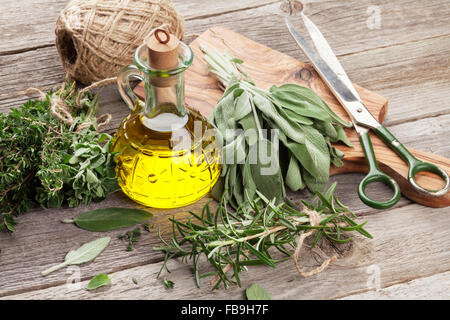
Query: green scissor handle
{"x": 375, "y": 175}
{"x": 415, "y": 165}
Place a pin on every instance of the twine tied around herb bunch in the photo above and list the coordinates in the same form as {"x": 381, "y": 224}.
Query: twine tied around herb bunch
{"x": 314, "y": 220}
{"x": 60, "y": 110}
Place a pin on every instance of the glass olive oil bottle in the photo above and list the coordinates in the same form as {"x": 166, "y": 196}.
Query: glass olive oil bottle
{"x": 167, "y": 153}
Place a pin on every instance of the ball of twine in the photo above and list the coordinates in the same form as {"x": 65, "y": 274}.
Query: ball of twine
{"x": 96, "y": 38}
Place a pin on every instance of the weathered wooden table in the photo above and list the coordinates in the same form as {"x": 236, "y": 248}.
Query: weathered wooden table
{"x": 404, "y": 56}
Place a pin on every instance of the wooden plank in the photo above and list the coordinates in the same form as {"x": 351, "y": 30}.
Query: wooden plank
{"x": 427, "y": 288}
{"x": 339, "y": 20}
{"x": 380, "y": 69}
{"x": 41, "y": 240}
{"x": 27, "y": 25}
{"x": 30, "y": 24}
{"x": 408, "y": 244}
{"x": 413, "y": 76}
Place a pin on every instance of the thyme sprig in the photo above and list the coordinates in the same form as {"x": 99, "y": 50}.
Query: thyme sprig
{"x": 250, "y": 235}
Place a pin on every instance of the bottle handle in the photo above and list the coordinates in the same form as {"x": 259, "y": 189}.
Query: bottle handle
{"x": 123, "y": 83}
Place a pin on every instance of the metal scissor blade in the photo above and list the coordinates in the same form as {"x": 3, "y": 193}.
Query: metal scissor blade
{"x": 350, "y": 100}
{"x": 327, "y": 54}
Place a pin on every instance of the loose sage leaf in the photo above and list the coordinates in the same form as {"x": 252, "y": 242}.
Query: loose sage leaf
{"x": 107, "y": 219}
{"x": 256, "y": 292}
{"x": 98, "y": 281}
{"x": 87, "y": 252}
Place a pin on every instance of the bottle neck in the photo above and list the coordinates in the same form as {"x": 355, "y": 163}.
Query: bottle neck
{"x": 164, "y": 107}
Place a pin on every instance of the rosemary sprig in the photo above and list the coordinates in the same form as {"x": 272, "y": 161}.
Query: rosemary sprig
{"x": 231, "y": 241}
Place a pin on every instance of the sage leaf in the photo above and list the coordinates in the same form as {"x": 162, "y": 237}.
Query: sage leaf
{"x": 234, "y": 152}
{"x": 327, "y": 128}
{"x": 315, "y": 184}
{"x": 108, "y": 219}
{"x": 247, "y": 180}
{"x": 297, "y": 118}
{"x": 293, "y": 176}
{"x": 256, "y": 292}
{"x": 86, "y": 253}
{"x": 243, "y": 106}
{"x": 305, "y": 94}
{"x": 248, "y": 124}
{"x": 342, "y": 137}
{"x": 292, "y": 130}
{"x": 218, "y": 189}
{"x": 98, "y": 281}
{"x": 266, "y": 176}
{"x": 238, "y": 189}
{"x": 317, "y": 162}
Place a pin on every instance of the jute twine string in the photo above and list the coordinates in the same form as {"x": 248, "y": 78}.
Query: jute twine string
{"x": 60, "y": 110}
{"x": 314, "y": 219}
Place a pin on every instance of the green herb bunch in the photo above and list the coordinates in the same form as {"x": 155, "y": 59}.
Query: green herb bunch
{"x": 44, "y": 161}
{"x": 254, "y": 233}
{"x": 306, "y": 128}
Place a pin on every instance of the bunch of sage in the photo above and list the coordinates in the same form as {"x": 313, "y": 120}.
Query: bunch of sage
{"x": 294, "y": 115}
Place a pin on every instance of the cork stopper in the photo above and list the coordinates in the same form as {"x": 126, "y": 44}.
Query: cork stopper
{"x": 163, "y": 50}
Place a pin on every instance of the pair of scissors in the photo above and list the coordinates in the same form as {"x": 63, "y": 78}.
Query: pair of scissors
{"x": 330, "y": 70}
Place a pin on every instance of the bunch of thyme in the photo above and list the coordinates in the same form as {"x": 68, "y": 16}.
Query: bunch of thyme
{"x": 46, "y": 161}
{"x": 247, "y": 236}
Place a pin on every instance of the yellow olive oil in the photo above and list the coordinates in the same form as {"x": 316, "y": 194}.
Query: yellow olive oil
{"x": 166, "y": 169}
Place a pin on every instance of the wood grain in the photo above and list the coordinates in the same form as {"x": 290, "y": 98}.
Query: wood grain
{"x": 427, "y": 288}
{"x": 398, "y": 253}
{"x": 23, "y": 30}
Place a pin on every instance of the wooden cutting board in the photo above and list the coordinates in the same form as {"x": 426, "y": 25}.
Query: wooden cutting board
{"x": 268, "y": 67}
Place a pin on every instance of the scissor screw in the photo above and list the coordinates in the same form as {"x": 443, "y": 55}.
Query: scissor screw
{"x": 359, "y": 110}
